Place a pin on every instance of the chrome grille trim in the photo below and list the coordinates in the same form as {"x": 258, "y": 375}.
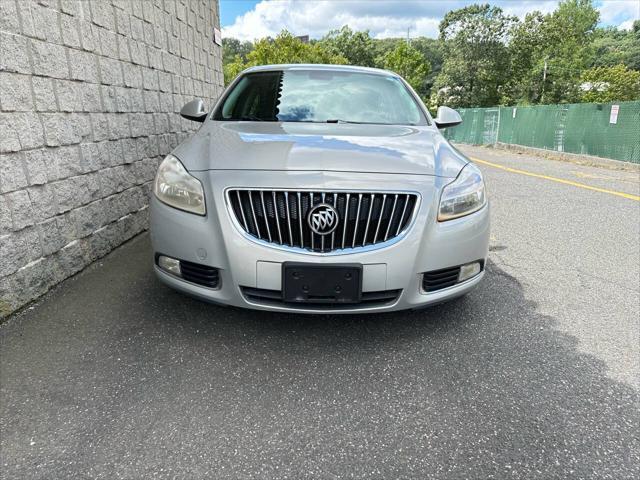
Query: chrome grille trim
{"x": 278, "y": 218}
{"x": 344, "y": 228}
{"x": 264, "y": 211}
{"x": 253, "y": 211}
{"x": 393, "y": 210}
{"x": 357, "y": 223}
{"x": 286, "y": 201}
{"x": 300, "y": 219}
{"x": 375, "y": 237}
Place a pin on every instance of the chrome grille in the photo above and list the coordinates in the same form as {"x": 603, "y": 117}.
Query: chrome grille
{"x": 280, "y": 217}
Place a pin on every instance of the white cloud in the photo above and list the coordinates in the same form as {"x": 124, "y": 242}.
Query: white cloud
{"x": 618, "y": 12}
{"x": 382, "y": 18}
{"x": 316, "y": 18}
{"x": 387, "y": 18}
{"x": 521, "y": 8}
{"x": 626, "y": 25}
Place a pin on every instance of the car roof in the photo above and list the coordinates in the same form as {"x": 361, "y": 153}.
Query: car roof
{"x": 319, "y": 67}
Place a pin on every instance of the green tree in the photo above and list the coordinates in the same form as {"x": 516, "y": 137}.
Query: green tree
{"x": 524, "y": 81}
{"x": 233, "y": 68}
{"x": 356, "y": 47}
{"x": 475, "y": 56}
{"x": 482, "y": 57}
{"x": 432, "y": 50}
{"x": 234, "y": 54}
{"x": 407, "y": 62}
{"x": 611, "y": 84}
{"x": 382, "y": 46}
{"x": 549, "y": 53}
{"x": 285, "y": 48}
{"x": 568, "y": 35}
{"x": 232, "y": 47}
{"x": 613, "y": 46}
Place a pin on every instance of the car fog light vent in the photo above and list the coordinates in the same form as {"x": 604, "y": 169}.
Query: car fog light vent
{"x": 469, "y": 270}
{"x": 169, "y": 264}
{"x": 191, "y": 272}
{"x": 439, "y": 279}
{"x": 448, "y": 277}
{"x": 200, "y": 274}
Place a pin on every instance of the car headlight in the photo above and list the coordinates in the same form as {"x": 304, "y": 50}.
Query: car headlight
{"x": 175, "y": 187}
{"x": 464, "y": 195}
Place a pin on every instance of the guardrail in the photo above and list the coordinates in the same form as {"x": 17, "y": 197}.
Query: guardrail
{"x": 609, "y": 130}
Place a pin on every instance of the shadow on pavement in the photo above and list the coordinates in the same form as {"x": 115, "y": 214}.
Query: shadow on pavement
{"x": 114, "y": 375}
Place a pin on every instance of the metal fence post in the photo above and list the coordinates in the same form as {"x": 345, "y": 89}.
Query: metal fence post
{"x": 495, "y": 142}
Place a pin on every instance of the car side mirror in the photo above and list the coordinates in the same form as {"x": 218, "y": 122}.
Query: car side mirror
{"x": 194, "y": 110}
{"x": 447, "y": 117}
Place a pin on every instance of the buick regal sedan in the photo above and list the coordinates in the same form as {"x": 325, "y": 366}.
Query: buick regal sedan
{"x": 319, "y": 188}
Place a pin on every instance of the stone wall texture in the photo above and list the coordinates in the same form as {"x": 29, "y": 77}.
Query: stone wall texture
{"x": 89, "y": 95}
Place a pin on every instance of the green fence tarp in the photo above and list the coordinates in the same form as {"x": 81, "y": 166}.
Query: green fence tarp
{"x": 609, "y": 130}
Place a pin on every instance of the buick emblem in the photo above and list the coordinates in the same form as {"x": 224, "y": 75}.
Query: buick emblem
{"x": 323, "y": 219}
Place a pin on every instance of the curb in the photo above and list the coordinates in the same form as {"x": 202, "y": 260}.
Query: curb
{"x": 589, "y": 160}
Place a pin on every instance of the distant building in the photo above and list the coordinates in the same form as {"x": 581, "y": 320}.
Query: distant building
{"x": 303, "y": 38}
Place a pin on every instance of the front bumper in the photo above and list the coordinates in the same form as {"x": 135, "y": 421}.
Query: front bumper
{"x": 215, "y": 240}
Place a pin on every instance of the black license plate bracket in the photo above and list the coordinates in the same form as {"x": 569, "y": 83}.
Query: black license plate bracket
{"x": 330, "y": 284}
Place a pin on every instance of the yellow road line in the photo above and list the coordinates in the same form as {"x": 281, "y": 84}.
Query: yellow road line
{"x": 559, "y": 180}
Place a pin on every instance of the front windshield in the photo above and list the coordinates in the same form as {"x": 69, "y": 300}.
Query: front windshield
{"x": 321, "y": 96}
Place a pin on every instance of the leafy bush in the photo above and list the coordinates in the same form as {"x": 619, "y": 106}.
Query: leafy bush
{"x": 610, "y": 84}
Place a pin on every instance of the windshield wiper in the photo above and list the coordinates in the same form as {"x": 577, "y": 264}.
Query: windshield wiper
{"x": 339, "y": 120}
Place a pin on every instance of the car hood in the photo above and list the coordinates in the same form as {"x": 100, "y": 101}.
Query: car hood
{"x": 320, "y": 147}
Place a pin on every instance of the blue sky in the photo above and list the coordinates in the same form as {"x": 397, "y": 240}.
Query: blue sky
{"x": 230, "y": 9}
{"x": 250, "y": 19}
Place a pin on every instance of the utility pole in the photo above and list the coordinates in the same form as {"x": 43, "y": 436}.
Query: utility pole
{"x": 544, "y": 79}
{"x": 408, "y": 38}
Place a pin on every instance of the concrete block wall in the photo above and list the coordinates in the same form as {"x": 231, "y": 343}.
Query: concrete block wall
{"x": 89, "y": 95}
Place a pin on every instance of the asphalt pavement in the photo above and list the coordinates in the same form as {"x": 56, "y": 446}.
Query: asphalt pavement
{"x": 535, "y": 374}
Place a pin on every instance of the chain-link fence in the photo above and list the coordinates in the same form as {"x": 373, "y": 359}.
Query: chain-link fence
{"x": 609, "y": 130}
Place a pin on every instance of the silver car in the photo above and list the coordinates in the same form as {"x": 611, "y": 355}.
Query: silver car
{"x": 319, "y": 188}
